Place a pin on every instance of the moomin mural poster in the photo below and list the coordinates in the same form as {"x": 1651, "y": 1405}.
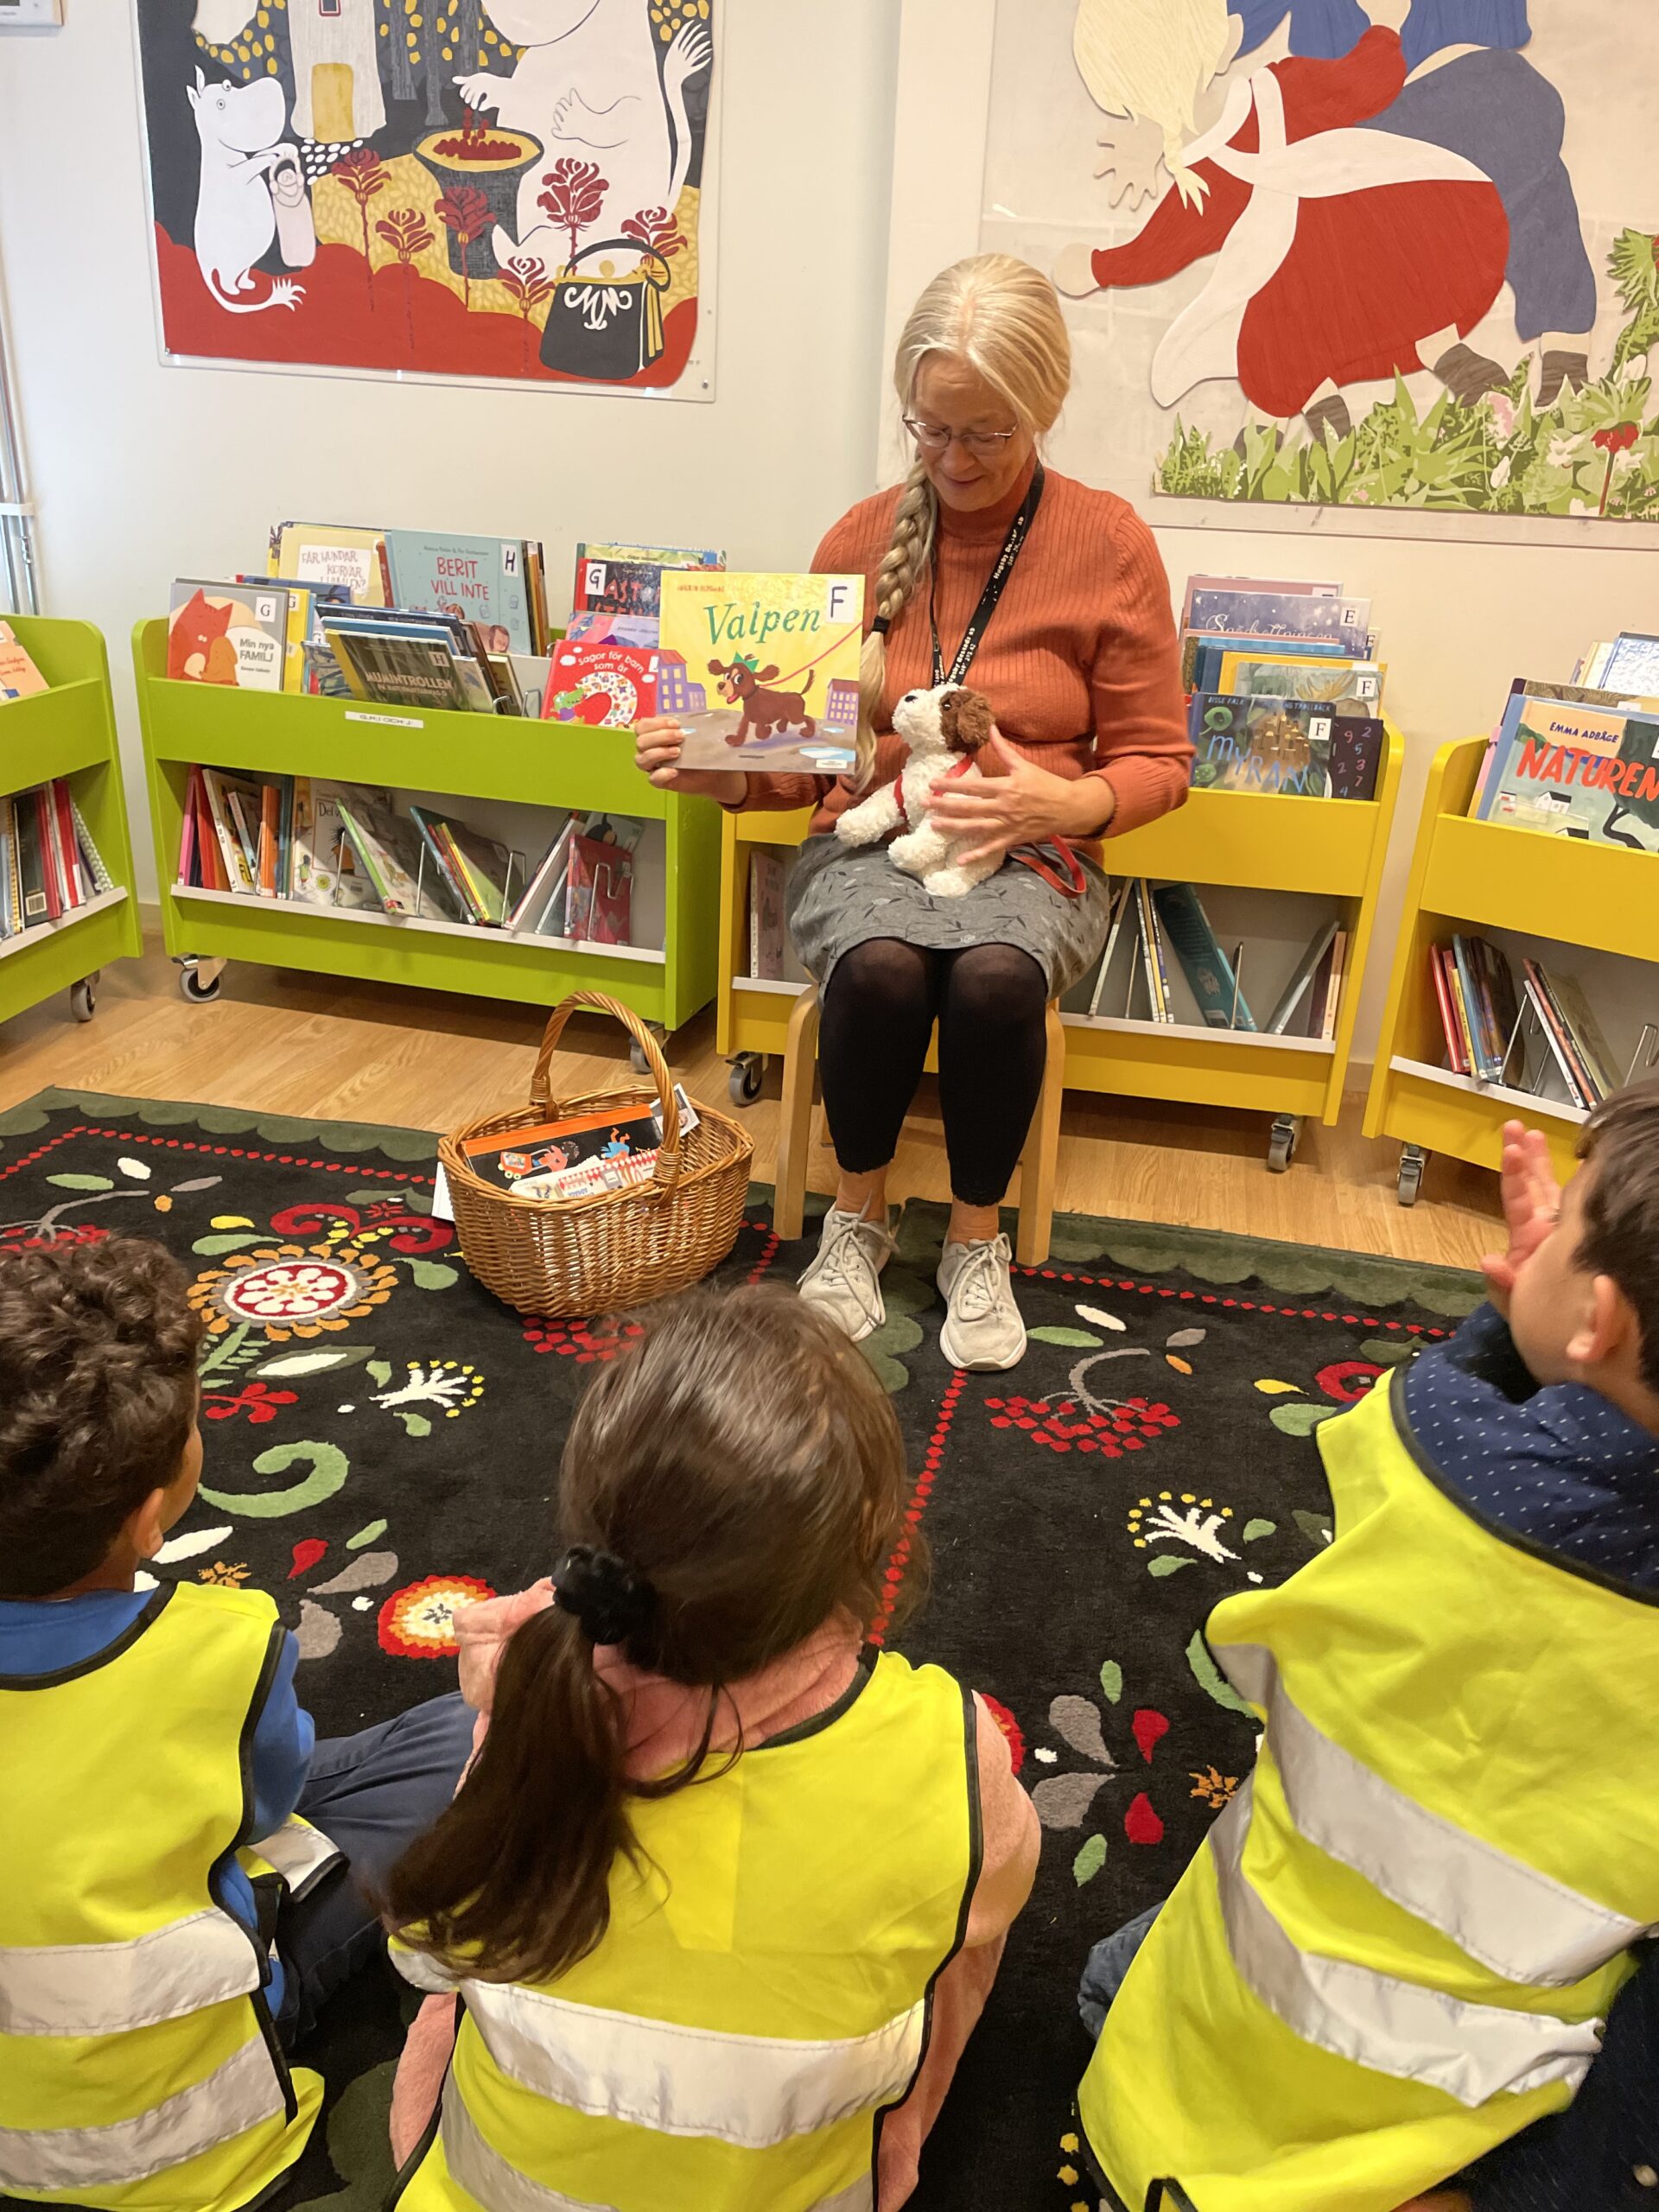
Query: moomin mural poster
{"x": 506, "y": 188}
{"x": 1346, "y": 254}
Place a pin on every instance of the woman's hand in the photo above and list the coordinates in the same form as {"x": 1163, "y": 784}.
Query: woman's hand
{"x": 657, "y": 743}
{"x": 1018, "y": 804}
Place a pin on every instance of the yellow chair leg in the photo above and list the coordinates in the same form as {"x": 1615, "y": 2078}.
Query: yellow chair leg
{"x": 795, "y": 1118}
{"x": 1041, "y": 1160}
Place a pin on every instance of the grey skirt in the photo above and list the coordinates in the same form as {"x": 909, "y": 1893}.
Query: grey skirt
{"x": 840, "y": 897}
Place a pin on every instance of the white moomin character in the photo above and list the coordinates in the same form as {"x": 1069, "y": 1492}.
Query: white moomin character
{"x": 337, "y": 96}
{"x": 588, "y": 87}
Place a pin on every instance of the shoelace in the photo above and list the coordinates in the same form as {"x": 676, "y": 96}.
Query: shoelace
{"x": 977, "y": 1289}
{"x": 846, "y": 1263}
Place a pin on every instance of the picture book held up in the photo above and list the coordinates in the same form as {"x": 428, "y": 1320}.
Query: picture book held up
{"x": 762, "y": 670}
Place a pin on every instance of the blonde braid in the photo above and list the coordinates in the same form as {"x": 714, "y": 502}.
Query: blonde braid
{"x": 903, "y": 565}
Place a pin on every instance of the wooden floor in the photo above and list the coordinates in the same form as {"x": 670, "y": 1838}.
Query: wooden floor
{"x": 310, "y": 1045}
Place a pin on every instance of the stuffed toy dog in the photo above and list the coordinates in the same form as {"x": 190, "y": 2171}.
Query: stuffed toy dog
{"x": 944, "y": 730}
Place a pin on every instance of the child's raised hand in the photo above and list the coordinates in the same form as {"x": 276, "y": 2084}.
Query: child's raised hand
{"x": 1532, "y": 1200}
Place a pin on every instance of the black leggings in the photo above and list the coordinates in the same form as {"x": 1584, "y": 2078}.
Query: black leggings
{"x": 884, "y": 998}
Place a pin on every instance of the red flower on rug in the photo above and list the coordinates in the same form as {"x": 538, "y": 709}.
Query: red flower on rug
{"x": 582, "y": 1341}
{"x": 1062, "y": 1426}
{"x": 1010, "y": 1727}
{"x": 418, "y": 1621}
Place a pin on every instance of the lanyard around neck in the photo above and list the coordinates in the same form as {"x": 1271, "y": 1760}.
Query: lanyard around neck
{"x": 1018, "y": 531}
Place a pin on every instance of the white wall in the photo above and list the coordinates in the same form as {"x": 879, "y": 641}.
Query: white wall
{"x": 144, "y": 471}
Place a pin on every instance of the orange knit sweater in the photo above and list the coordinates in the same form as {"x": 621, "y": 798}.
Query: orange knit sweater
{"x": 1079, "y": 661}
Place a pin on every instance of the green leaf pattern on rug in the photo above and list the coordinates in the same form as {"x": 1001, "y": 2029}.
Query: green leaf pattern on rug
{"x": 365, "y": 1535}
{"x": 1078, "y": 1340}
{"x": 80, "y": 1182}
{"x": 212, "y": 1248}
{"x": 1388, "y": 1351}
{"x": 1089, "y": 1860}
{"x": 1255, "y": 1530}
{"x": 1112, "y": 1681}
{"x": 1211, "y": 1679}
{"x": 905, "y": 1294}
{"x": 431, "y": 1275}
{"x": 1316, "y": 1527}
{"x": 1168, "y": 1563}
{"x": 329, "y": 1467}
{"x": 1300, "y": 1420}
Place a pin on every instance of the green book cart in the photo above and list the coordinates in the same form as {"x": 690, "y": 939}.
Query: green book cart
{"x": 68, "y": 731}
{"x": 463, "y": 757}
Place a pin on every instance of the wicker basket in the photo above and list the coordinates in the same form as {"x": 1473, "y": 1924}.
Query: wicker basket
{"x": 566, "y": 1257}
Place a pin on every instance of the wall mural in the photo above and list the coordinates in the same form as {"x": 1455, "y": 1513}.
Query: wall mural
{"x": 1399, "y": 254}
{"x": 465, "y": 188}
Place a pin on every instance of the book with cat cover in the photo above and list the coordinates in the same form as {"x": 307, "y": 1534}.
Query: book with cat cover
{"x": 602, "y": 686}
{"x": 762, "y": 670}
{"x": 481, "y": 580}
{"x": 1289, "y": 747}
{"x": 230, "y": 633}
{"x": 1208, "y": 971}
{"x": 333, "y": 553}
{"x": 1576, "y": 763}
{"x": 19, "y": 677}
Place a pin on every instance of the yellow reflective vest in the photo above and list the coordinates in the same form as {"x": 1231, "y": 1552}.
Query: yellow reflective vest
{"x": 761, "y": 1994}
{"x": 1399, "y": 1944}
{"x": 139, "y": 2069}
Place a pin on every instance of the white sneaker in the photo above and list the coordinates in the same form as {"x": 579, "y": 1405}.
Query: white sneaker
{"x": 982, "y": 1329}
{"x": 844, "y": 1281}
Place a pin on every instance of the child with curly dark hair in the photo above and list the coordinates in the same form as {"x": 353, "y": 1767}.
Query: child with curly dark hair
{"x": 174, "y": 1897}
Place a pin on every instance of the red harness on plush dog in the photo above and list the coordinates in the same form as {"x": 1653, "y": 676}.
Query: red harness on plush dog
{"x": 1075, "y": 888}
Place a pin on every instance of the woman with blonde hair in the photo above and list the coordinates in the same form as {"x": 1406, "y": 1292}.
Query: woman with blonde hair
{"x": 1051, "y": 599}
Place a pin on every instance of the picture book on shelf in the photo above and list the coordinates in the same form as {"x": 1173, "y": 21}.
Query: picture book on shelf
{"x": 1347, "y": 687}
{"x": 605, "y": 686}
{"x": 1577, "y": 763}
{"x": 1290, "y": 748}
{"x": 1253, "y": 587}
{"x": 48, "y": 862}
{"x": 599, "y": 894}
{"x": 628, "y": 579}
{"x": 1629, "y": 663}
{"x": 480, "y": 579}
{"x": 479, "y": 872}
{"x": 1289, "y": 618}
{"x": 386, "y": 851}
{"x": 1209, "y": 972}
{"x": 333, "y": 553}
{"x": 596, "y": 627}
{"x": 19, "y": 677}
{"x": 324, "y": 869}
{"x": 762, "y": 670}
{"x": 402, "y": 659}
{"x": 230, "y": 633}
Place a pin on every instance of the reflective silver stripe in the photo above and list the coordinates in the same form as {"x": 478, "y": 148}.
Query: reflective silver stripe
{"x": 499, "y": 2186}
{"x": 753, "y": 2091}
{"x": 422, "y": 1971}
{"x": 243, "y": 2091}
{"x": 1525, "y": 1926}
{"x": 1471, "y": 2052}
{"x": 301, "y": 1855}
{"x": 104, "y": 1989}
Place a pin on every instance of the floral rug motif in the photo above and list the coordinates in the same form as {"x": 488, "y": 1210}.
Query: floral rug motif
{"x": 382, "y": 1441}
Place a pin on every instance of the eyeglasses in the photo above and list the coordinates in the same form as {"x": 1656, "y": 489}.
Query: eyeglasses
{"x": 932, "y": 437}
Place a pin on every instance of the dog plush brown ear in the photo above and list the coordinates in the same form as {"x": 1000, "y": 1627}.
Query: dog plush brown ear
{"x": 965, "y": 721}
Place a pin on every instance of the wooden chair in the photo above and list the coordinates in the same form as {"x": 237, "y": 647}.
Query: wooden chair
{"x": 1038, "y": 1162}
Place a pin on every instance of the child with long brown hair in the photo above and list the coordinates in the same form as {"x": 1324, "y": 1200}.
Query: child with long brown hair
{"x": 725, "y": 1889}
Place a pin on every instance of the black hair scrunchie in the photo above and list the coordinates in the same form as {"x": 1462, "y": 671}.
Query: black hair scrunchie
{"x": 604, "y": 1597}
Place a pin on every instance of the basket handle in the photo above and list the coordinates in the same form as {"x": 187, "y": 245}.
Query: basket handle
{"x": 667, "y": 1170}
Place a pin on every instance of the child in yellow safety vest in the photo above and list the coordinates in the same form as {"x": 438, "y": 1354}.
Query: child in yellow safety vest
{"x": 1416, "y": 1945}
{"x": 182, "y": 1869}
{"x": 750, "y": 1995}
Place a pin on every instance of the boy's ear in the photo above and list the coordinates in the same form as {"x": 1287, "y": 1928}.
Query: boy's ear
{"x": 1607, "y": 1324}
{"x": 145, "y": 1527}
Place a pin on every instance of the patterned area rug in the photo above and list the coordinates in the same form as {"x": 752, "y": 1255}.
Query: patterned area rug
{"x": 382, "y": 1441}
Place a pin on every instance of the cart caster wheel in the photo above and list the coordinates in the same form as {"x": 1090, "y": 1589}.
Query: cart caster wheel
{"x": 1413, "y": 1160}
{"x": 193, "y": 987}
{"x": 83, "y": 998}
{"x": 1281, "y": 1143}
{"x": 744, "y": 1083}
{"x": 637, "y": 1059}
